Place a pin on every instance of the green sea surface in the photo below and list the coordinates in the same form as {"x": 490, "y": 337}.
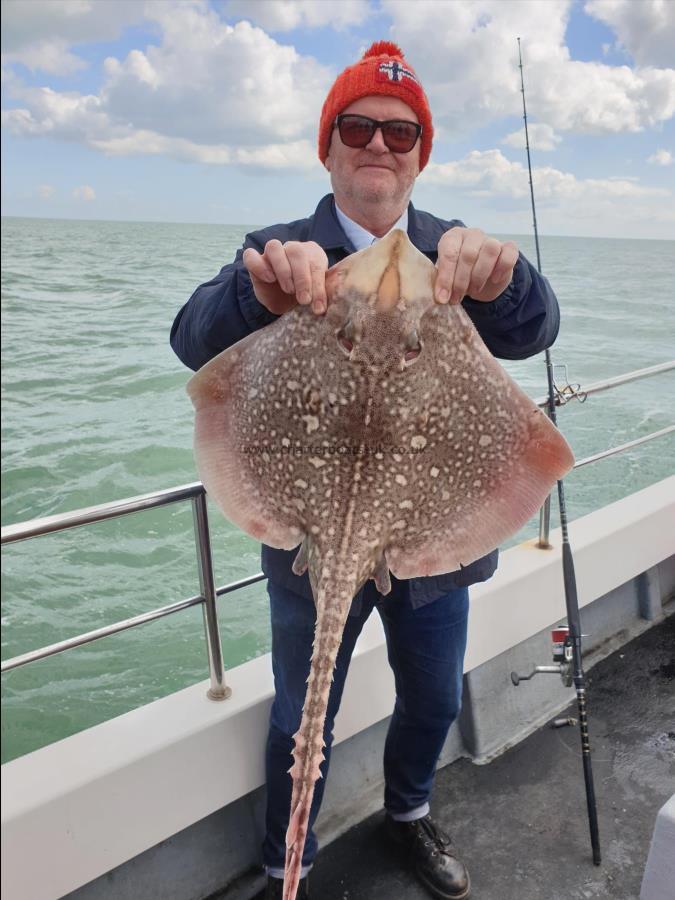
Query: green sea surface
{"x": 94, "y": 409}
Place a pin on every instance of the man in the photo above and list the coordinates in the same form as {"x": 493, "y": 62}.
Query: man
{"x": 375, "y": 136}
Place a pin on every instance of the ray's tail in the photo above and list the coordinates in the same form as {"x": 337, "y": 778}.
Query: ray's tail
{"x": 333, "y": 603}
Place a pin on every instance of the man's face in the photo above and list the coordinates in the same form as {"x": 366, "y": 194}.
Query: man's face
{"x": 373, "y": 175}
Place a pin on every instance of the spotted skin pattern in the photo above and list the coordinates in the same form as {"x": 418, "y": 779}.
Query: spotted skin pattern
{"x": 382, "y": 436}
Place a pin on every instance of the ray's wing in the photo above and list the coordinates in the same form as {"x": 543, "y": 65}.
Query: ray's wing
{"x": 262, "y": 406}
{"x": 227, "y": 446}
{"x": 479, "y": 457}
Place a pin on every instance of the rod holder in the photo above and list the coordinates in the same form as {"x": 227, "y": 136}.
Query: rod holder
{"x": 547, "y": 670}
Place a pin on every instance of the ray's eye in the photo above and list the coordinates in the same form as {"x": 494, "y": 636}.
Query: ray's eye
{"x": 345, "y": 337}
{"x": 413, "y": 347}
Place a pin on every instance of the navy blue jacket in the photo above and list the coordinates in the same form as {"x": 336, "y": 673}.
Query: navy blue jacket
{"x": 522, "y": 321}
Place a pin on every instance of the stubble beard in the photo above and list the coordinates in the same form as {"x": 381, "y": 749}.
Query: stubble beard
{"x": 394, "y": 198}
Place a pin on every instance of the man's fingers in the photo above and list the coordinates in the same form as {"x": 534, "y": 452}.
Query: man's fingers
{"x": 472, "y": 264}
{"x": 296, "y": 268}
{"x": 473, "y": 240}
{"x": 449, "y": 249}
{"x": 319, "y": 298}
{"x": 258, "y": 266}
{"x": 309, "y": 263}
{"x": 504, "y": 267}
{"x": 276, "y": 257}
{"x": 488, "y": 255}
{"x": 300, "y": 271}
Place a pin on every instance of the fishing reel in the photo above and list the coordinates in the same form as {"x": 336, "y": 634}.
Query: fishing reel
{"x": 562, "y": 658}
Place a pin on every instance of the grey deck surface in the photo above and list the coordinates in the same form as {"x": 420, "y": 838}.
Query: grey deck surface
{"x": 520, "y": 822}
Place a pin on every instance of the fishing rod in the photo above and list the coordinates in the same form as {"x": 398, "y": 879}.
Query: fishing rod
{"x": 566, "y": 640}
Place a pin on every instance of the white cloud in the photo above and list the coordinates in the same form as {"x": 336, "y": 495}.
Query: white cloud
{"x": 80, "y": 119}
{"x": 542, "y": 137}
{"x": 661, "y": 158}
{"x": 66, "y": 115}
{"x": 45, "y": 191}
{"x": 470, "y": 69}
{"x": 209, "y": 92}
{"x": 618, "y": 206}
{"x": 39, "y": 33}
{"x": 296, "y": 155}
{"x": 284, "y": 15}
{"x": 489, "y": 172}
{"x": 51, "y": 56}
{"x": 645, "y": 28}
{"x": 214, "y": 83}
{"x": 84, "y": 192}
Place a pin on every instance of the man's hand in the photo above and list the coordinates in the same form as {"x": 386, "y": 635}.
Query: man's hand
{"x": 472, "y": 264}
{"x": 290, "y": 273}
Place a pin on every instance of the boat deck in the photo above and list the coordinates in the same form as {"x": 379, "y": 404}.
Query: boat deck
{"x": 520, "y": 822}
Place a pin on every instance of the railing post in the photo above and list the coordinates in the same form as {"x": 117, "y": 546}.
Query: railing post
{"x": 218, "y": 689}
{"x": 545, "y": 525}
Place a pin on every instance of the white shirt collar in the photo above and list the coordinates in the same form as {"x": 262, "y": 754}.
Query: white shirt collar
{"x": 358, "y": 235}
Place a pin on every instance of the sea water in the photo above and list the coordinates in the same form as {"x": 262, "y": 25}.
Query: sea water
{"x": 95, "y": 410}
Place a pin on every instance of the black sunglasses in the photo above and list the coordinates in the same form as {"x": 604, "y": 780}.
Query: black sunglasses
{"x": 358, "y": 131}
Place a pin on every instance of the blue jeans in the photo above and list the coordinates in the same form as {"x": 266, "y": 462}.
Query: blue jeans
{"x": 426, "y": 653}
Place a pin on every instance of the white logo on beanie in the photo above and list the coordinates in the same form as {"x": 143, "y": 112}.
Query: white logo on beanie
{"x": 394, "y": 71}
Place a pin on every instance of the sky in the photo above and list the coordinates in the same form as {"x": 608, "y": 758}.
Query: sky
{"x": 207, "y": 111}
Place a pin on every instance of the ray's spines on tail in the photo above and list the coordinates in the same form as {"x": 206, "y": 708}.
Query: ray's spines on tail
{"x": 333, "y": 601}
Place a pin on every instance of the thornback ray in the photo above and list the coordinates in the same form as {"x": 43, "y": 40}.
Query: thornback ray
{"x": 380, "y": 437}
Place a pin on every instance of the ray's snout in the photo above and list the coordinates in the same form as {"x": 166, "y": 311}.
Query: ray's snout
{"x": 391, "y": 273}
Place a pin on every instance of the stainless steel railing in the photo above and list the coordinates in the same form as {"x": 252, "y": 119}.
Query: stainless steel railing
{"x": 195, "y": 492}
{"x": 564, "y": 395}
{"x": 208, "y": 592}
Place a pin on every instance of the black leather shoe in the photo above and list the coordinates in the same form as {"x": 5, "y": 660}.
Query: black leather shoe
{"x": 275, "y": 889}
{"x": 431, "y": 854}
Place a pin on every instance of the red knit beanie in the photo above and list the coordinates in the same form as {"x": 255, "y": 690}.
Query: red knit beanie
{"x": 381, "y": 70}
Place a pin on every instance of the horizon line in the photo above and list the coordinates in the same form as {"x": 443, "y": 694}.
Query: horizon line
{"x": 254, "y": 226}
